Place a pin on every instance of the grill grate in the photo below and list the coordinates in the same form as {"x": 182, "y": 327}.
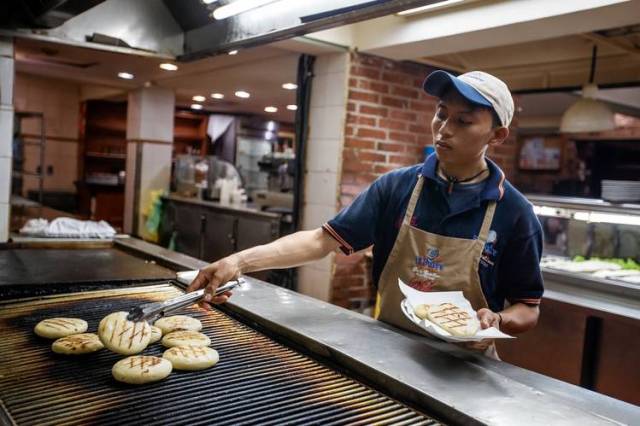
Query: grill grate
{"x": 257, "y": 381}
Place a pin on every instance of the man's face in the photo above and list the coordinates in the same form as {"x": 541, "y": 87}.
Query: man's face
{"x": 461, "y": 133}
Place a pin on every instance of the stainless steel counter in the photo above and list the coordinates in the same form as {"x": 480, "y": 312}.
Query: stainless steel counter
{"x": 228, "y": 208}
{"x": 461, "y": 387}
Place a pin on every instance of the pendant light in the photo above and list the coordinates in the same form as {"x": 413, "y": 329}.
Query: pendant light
{"x": 588, "y": 114}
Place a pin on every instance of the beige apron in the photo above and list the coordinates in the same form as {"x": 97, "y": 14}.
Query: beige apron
{"x": 431, "y": 262}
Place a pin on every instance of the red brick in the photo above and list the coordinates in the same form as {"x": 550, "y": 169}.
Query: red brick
{"x": 353, "y": 82}
{"x": 371, "y": 110}
{"x": 351, "y": 106}
{"x": 391, "y": 147}
{"x": 365, "y": 72}
{"x": 424, "y": 140}
{"x": 398, "y": 78}
{"x": 357, "y": 166}
{"x": 366, "y": 121}
{"x": 374, "y": 86}
{"x": 347, "y": 189}
{"x": 363, "y": 96}
{"x": 374, "y": 61}
{"x": 348, "y": 177}
{"x": 348, "y": 131}
{"x": 392, "y": 124}
{"x": 402, "y": 137}
{"x": 395, "y": 102}
{"x": 379, "y": 168}
{"x": 423, "y": 106}
{"x": 352, "y": 118}
{"x": 359, "y": 143}
{"x": 404, "y": 92}
{"x": 402, "y": 115}
{"x": 349, "y": 154}
{"x": 365, "y": 179}
{"x": 372, "y": 156}
{"x": 371, "y": 133}
{"x": 419, "y": 129}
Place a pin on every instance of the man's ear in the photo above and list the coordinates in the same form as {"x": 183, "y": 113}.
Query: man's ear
{"x": 500, "y": 135}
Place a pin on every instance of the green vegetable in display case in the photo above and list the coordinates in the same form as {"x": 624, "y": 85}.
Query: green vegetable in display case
{"x": 628, "y": 264}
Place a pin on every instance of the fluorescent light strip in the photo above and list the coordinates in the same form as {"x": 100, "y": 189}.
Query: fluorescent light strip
{"x": 125, "y": 75}
{"x": 429, "y": 7}
{"x": 196, "y": 106}
{"x": 292, "y": 107}
{"x": 199, "y": 98}
{"x": 242, "y": 94}
{"x": 217, "y": 96}
{"x": 238, "y": 7}
{"x": 618, "y": 219}
{"x": 169, "y": 67}
{"x": 290, "y": 86}
{"x": 270, "y": 109}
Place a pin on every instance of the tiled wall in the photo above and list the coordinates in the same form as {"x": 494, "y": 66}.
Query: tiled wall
{"x": 6, "y": 132}
{"x": 323, "y": 162}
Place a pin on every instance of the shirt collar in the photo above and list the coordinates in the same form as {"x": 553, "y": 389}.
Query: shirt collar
{"x": 493, "y": 190}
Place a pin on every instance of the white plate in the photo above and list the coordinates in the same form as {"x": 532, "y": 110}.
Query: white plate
{"x": 415, "y": 297}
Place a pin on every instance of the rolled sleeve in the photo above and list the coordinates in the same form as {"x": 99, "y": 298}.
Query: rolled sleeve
{"x": 355, "y": 226}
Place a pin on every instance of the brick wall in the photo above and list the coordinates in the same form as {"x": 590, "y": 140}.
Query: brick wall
{"x": 388, "y": 125}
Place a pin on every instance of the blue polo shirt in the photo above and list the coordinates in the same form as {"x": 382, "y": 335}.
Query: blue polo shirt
{"x": 510, "y": 265}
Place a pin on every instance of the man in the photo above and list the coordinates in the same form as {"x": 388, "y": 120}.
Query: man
{"x": 452, "y": 223}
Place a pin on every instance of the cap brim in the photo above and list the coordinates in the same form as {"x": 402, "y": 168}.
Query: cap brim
{"x": 438, "y": 82}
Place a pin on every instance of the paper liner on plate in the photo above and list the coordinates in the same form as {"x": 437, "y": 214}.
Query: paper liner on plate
{"x": 186, "y": 277}
{"x": 415, "y": 298}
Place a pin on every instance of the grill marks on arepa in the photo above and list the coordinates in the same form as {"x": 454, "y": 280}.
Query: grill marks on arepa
{"x": 54, "y": 328}
{"x": 453, "y": 319}
{"x": 123, "y": 336}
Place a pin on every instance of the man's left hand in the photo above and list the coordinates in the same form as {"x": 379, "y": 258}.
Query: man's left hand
{"x": 488, "y": 318}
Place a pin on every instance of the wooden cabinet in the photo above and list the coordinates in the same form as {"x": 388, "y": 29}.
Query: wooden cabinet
{"x": 586, "y": 347}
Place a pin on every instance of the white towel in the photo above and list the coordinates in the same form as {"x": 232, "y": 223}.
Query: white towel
{"x": 66, "y": 227}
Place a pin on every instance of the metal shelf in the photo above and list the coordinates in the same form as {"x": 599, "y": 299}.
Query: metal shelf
{"x": 583, "y": 204}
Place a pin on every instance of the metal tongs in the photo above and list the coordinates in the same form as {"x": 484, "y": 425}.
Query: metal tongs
{"x": 152, "y": 311}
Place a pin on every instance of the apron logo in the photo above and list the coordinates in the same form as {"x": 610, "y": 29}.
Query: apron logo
{"x": 426, "y": 270}
{"x": 489, "y": 252}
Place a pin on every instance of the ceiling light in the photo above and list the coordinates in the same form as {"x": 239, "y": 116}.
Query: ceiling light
{"x": 270, "y": 109}
{"x": 169, "y": 67}
{"x": 125, "y": 75}
{"x": 196, "y": 106}
{"x": 290, "y": 86}
{"x": 429, "y": 7}
{"x": 242, "y": 94}
{"x": 271, "y": 126}
{"x": 199, "y": 98}
{"x": 238, "y": 7}
{"x": 217, "y": 96}
{"x": 588, "y": 114}
{"x": 209, "y": 1}
{"x": 233, "y": 52}
{"x": 292, "y": 107}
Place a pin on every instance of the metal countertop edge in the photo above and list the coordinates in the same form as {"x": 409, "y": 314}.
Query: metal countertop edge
{"x": 508, "y": 394}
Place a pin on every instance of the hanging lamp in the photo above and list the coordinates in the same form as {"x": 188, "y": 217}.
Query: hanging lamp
{"x": 588, "y": 114}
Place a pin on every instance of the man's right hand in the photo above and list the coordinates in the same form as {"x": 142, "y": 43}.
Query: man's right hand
{"x": 213, "y": 275}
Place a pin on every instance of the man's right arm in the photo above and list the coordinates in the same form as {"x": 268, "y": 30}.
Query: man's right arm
{"x": 287, "y": 252}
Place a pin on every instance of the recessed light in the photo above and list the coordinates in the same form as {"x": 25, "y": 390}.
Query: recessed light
{"x": 125, "y": 75}
{"x": 290, "y": 86}
{"x": 196, "y": 106}
{"x": 217, "y": 96}
{"x": 209, "y": 1}
{"x": 292, "y": 107}
{"x": 199, "y": 98}
{"x": 271, "y": 109}
{"x": 233, "y": 52}
{"x": 169, "y": 67}
{"x": 242, "y": 94}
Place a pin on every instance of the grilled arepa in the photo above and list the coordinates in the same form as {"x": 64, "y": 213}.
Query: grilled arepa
{"x": 55, "y": 328}
{"x": 140, "y": 369}
{"x": 421, "y": 311}
{"x": 185, "y": 338}
{"x": 123, "y": 336}
{"x": 191, "y": 357}
{"x": 77, "y": 344}
{"x": 156, "y": 334}
{"x": 453, "y": 319}
{"x": 178, "y": 322}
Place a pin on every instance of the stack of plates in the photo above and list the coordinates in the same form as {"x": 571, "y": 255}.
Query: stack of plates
{"x": 621, "y": 191}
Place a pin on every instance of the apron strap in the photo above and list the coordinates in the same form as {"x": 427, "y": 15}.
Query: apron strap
{"x": 415, "y": 195}
{"x": 486, "y": 223}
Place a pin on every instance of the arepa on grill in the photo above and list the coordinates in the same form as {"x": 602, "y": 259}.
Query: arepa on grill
{"x": 140, "y": 369}
{"x": 178, "y": 322}
{"x": 191, "y": 357}
{"x": 77, "y": 344}
{"x": 156, "y": 334}
{"x": 55, "y": 328}
{"x": 185, "y": 338}
{"x": 122, "y": 336}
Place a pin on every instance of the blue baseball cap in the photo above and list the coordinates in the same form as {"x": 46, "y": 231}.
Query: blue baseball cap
{"x": 477, "y": 87}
